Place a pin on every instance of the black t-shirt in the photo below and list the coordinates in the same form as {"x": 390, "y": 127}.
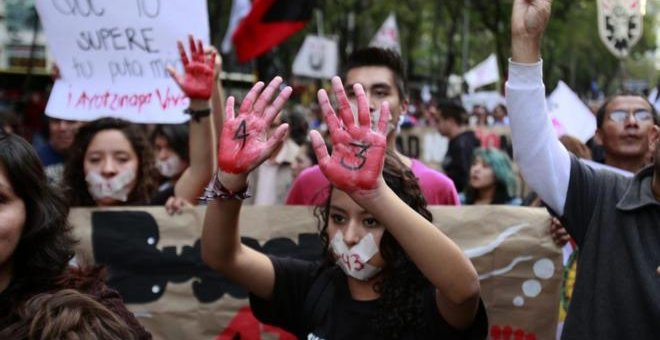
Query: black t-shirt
{"x": 346, "y": 318}
{"x": 161, "y": 197}
{"x": 459, "y": 158}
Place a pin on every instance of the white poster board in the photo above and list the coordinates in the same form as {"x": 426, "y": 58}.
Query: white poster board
{"x": 317, "y": 58}
{"x": 570, "y": 115}
{"x": 112, "y": 56}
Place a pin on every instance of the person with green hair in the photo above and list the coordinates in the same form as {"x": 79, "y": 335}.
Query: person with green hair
{"x": 492, "y": 179}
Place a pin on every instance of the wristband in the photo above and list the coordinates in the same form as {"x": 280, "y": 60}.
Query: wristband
{"x": 215, "y": 190}
{"x": 197, "y": 114}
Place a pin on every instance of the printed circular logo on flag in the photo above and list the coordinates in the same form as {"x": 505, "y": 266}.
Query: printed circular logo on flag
{"x": 620, "y": 25}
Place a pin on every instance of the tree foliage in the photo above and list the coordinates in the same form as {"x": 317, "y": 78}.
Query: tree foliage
{"x": 431, "y": 33}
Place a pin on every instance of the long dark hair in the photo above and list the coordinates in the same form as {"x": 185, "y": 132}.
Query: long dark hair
{"x": 402, "y": 286}
{"x": 506, "y": 183}
{"x": 176, "y": 136}
{"x": 74, "y": 173}
{"x": 46, "y": 245}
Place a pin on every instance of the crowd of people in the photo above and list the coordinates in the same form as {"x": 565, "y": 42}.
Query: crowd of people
{"x": 386, "y": 271}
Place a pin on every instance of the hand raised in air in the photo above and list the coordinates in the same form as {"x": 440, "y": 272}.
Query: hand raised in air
{"x": 245, "y": 141}
{"x": 197, "y": 81}
{"x": 358, "y": 151}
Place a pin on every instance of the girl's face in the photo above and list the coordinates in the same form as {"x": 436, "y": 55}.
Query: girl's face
{"x": 111, "y": 156}
{"x": 481, "y": 175}
{"x": 301, "y": 162}
{"x": 354, "y": 223}
{"x": 168, "y": 162}
{"x": 12, "y": 219}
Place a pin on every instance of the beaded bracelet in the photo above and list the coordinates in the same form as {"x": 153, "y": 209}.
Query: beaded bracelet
{"x": 215, "y": 190}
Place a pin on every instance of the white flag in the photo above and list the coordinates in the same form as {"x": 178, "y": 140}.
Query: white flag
{"x": 487, "y": 72}
{"x": 620, "y": 25}
{"x": 239, "y": 9}
{"x": 569, "y": 114}
{"x": 317, "y": 58}
{"x": 388, "y": 35}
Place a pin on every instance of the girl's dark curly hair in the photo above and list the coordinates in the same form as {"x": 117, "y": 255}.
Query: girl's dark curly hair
{"x": 74, "y": 173}
{"x": 402, "y": 286}
{"x": 46, "y": 245}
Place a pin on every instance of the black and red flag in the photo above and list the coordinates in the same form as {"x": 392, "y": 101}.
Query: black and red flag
{"x": 268, "y": 24}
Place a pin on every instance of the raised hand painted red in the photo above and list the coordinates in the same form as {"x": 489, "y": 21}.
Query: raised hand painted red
{"x": 197, "y": 82}
{"x": 358, "y": 151}
{"x": 245, "y": 142}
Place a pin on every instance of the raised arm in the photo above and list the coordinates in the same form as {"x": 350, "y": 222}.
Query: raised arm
{"x": 244, "y": 145}
{"x": 544, "y": 162}
{"x": 197, "y": 84}
{"x": 356, "y": 167}
{"x": 217, "y": 100}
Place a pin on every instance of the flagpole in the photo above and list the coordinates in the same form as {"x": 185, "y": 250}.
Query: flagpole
{"x": 318, "y": 83}
{"x": 319, "y": 21}
{"x": 466, "y": 34}
{"x": 622, "y": 74}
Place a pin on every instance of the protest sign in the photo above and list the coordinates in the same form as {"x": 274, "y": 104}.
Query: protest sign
{"x": 112, "y": 57}
{"x": 569, "y": 114}
{"x": 317, "y": 58}
{"x": 154, "y": 261}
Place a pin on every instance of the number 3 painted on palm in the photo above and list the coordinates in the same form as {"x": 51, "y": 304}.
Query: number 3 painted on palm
{"x": 357, "y": 159}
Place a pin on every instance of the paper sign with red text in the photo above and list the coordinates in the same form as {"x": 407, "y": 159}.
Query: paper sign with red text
{"x": 112, "y": 57}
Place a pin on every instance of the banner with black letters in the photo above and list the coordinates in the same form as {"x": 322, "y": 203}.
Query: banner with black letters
{"x": 154, "y": 261}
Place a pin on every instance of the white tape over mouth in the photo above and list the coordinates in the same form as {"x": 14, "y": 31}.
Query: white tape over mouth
{"x": 169, "y": 167}
{"x": 353, "y": 261}
{"x": 116, "y": 187}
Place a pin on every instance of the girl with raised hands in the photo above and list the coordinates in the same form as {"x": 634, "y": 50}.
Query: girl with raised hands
{"x": 388, "y": 271}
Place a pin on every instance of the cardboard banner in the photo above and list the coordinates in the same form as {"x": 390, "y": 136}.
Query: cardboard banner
{"x": 112, "y": 57}
{"x": 155, "y": 263}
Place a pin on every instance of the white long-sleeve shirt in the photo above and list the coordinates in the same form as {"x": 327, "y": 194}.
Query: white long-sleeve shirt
{"x": 544, "y": 162}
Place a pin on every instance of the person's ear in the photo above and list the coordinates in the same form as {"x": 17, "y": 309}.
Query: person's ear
{"x": 654, "y": 138}
{"x": 598, "y": 136}
{"x": 404, "y": 106}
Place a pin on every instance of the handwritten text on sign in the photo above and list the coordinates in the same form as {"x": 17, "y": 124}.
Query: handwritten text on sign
{"x": 113, "y": 54}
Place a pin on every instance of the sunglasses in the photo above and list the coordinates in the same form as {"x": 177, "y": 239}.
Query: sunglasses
{"x": 620, "y": 116}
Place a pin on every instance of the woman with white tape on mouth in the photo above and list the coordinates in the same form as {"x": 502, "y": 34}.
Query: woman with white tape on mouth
{"x": 112, "y": 162}
{"x": 389, "y": 272}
